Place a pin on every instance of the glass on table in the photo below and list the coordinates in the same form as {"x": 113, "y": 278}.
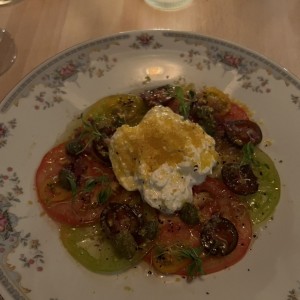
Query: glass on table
{"x": 8, "y": 51}
{"x": 169, "y": 4}
{"x": 6, "y": 2}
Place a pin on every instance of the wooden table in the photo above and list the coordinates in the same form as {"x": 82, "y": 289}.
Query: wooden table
{"x": 42, "y": 28}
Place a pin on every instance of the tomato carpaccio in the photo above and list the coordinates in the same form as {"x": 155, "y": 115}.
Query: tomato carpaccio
{"x": 60, "y": 203}
{"x": 228, "y": 205}
{"x": 213, "y": 199}
{"x": 77, "y": 188}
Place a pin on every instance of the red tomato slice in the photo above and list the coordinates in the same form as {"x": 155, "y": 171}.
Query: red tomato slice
{"x": 227, "y": 205}
{"x": 236, "y": 112}
{"x": 60, "y": 204}
{"x": 173, "y": 233}
{"x": 212, "y": 198}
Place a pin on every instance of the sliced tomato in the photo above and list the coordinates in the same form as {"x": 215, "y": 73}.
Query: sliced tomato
{"x": 91, "y": 248}
{"x": 212, "y": 199}
{"x": 236, "y": 112}
{"x": 263, "y": 203}
{"x": 61, "y": 204}
{"x": 173, "y": 236}
{"x": 224, "y": 203}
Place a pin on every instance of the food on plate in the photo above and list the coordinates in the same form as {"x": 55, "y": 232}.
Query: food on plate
{"x": 172, "y": 176}
{"x": 162, "y": 157}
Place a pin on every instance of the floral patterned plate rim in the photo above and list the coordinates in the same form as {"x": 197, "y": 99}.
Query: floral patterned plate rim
{"x": 33, "y": 262}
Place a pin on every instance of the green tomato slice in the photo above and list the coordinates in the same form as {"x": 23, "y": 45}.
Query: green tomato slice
{"x": 93, "y": 250}
{"x": 128, "y": 108}
{"x": 262, "y": 204}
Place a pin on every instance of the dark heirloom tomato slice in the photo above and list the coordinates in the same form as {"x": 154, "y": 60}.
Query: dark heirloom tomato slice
{"x": 128, "y": 226}
{"x": 239, "y": 178}
{"x": 117, "y": 217}
{"x": 158, "y": 96}
{"x": 218, "y": 200}
{"x": 218, "y": 236}
{"x": 242, "y": 132}
{"x": 61, "y": 204}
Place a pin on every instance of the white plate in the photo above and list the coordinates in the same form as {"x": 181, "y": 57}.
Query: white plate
{"x": 33, "y": 262}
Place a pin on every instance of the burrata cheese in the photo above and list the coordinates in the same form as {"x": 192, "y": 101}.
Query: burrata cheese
{"x": 163, "y": 157}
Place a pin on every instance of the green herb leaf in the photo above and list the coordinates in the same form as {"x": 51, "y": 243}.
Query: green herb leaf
{"x": 249, "y": 157}
{"x": 195, "y": 267}
{"x": 192, "y": 95}
{"x": 184, "y": 106}
{"x": 90, "y": 185}
{"x": 92, "y": 182}
{"x": 67, "y": 180}
{"x": 104, "y": 195}
{"x": 91, "y": 128}
{"x": 73, "y": 185}
{"x": 248, "y": 154}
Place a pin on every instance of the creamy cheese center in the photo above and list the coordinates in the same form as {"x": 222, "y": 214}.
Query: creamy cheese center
{"x": 163, "y": 157}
